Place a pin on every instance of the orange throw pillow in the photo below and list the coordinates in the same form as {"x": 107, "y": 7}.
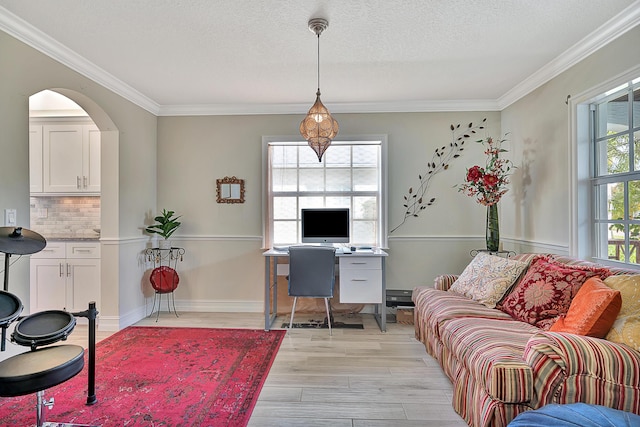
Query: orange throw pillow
{"x": 592, "y": 311}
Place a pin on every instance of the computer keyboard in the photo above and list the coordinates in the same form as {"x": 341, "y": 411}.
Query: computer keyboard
{"x": 364, "y": 250}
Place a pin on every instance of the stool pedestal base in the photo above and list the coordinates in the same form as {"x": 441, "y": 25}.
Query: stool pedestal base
{"x": 43, "y": 403}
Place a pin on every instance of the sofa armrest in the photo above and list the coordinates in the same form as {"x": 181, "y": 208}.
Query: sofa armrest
{"x": 574, "y": 368}
{"x": 444, "y": 282}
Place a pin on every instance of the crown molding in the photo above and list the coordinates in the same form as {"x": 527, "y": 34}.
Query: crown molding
{"x": 347, "y": 107}
{"x": 605, "y": 34}
{"x": 30, "y": 35}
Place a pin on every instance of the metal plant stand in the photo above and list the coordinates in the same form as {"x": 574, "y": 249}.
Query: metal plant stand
{"x": 164, "y": 277}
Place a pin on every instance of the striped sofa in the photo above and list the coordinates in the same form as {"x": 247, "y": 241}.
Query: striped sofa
{"x": 500, "y": 367}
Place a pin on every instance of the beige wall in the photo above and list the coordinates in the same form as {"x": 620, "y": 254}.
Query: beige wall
{"x": 538, "y": 208}
{"x": 128, "y": 167}
{"x": 223, "y": 262}
{"x": 152, "y": 163}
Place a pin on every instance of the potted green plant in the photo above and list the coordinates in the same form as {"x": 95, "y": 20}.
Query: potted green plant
{"x": 166, "y": 224}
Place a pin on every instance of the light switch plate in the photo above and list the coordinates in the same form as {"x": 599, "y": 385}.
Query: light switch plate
{"x": 10, "y": 217}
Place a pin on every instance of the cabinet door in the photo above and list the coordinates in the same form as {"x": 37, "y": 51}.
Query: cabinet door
{"x": 35, "y": 159}
{"x": 91, "y": 161}
{"x": 63, "y": 157}
{"x": 48, "y": 284}
{"x": 83, "y": 283}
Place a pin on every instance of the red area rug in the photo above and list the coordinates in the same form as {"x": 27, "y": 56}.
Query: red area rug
{"x": 148, "y": 376}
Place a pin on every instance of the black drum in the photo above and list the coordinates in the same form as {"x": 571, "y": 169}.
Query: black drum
{"x": 10, "y": 308}
{"x": 43, "y": 328}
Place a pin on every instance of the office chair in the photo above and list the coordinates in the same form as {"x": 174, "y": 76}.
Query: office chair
{"x": 312, "y": 275}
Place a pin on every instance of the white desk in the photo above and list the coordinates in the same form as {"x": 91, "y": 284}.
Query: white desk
{"x": 362, "y": 281}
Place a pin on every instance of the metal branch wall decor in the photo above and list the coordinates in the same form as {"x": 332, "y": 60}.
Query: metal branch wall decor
{"x": 415, "y": 201}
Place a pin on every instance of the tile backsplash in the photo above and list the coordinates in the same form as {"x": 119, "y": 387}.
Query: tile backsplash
{"x": 65, "y": 216}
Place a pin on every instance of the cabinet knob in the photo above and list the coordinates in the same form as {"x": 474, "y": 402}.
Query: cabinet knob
{"x": 78, "y": 182}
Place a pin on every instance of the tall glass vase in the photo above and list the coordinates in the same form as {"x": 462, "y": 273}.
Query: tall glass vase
{"x": 493, "y": 228}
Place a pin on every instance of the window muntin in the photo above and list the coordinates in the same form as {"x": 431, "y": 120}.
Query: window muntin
{"x": 349, "y": 176}
{"x": 616, "y": 181}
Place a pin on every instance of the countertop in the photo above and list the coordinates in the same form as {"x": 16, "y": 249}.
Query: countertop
{"x": 73, "y": 237}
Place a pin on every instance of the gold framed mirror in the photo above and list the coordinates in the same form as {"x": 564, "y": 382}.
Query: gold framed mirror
{"x": 230, "y": 190}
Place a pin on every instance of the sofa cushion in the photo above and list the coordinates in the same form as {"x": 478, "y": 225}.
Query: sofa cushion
{"x": 546, "y": 291}
{"x": 626, "y": 328}
{"x": 487, "y": 278}
{"x": 441, "y": 306}
{"x": 491, "y": 351}
{"x": 592, "y": 311}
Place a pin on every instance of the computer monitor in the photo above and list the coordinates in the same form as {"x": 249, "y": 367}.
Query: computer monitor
{"x": 329, "y": 225}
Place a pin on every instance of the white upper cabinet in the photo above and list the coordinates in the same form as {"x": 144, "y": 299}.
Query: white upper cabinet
{"x": 70, "y": 159}
{"x": 63, "y": 158}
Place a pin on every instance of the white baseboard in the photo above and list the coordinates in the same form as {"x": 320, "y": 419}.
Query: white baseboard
{"x": 222, "y": 306}
{"x": 115, "y": 323}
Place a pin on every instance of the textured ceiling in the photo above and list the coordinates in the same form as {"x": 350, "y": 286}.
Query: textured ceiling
{"x": 259, "y": 56}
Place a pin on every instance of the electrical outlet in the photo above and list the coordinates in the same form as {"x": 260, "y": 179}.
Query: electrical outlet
{"x": 10, "y": 217}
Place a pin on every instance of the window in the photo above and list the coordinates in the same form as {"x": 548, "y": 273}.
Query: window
{"x": 351, "y": 175}
{"x": 616, "y": 173}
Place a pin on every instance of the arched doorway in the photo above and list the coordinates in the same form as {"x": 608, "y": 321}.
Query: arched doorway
{"x": 89, "y": 114}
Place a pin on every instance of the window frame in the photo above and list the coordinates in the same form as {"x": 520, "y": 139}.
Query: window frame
{"x": 581, "y": 165}
{"x": 599, "y": 180}
{"x": 267, "y": 208}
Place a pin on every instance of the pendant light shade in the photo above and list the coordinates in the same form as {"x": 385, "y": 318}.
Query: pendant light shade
{"x": 318, "y": 127}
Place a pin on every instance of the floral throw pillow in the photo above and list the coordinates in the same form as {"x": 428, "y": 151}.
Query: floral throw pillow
{"x": 487, "y": 278}
{"x": 546, "y": 290}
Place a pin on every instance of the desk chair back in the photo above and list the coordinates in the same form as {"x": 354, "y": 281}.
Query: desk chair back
{"x": 312, "y": 274}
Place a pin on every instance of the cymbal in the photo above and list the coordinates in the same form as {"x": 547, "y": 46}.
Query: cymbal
{"x": 20, "y": 241}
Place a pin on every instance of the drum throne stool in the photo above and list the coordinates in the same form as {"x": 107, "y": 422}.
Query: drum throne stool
{"x": 42, "y": 368}
{"x": 37, "y": 370}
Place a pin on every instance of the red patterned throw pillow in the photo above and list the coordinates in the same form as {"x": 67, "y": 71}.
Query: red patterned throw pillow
{"x": 546, "y": 291}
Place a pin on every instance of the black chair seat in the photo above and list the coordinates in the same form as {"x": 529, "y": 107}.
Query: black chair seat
{"x": 38, "y": 370}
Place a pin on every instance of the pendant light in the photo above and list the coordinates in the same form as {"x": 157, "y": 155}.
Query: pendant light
{"x": 318, "y": 126}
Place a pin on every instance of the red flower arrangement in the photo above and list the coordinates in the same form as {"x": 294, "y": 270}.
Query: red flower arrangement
{"x": 488, "y": 184}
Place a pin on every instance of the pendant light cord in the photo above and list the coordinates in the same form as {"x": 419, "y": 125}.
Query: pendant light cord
{"x": 318, "y": 62}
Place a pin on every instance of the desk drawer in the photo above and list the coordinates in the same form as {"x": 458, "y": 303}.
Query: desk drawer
{"x": 361, "y": 286}
{"x": 360, "y": 263}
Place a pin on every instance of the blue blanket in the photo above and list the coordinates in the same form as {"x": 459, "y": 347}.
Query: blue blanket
{"x": 575, "y": 414}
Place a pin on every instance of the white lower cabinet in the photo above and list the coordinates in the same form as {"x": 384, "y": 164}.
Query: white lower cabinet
{"x": 65, "y": 276}
{"x": 360, "y": 280}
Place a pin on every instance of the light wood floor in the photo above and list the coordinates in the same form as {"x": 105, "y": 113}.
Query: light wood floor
{"x": 355, "y": 378}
